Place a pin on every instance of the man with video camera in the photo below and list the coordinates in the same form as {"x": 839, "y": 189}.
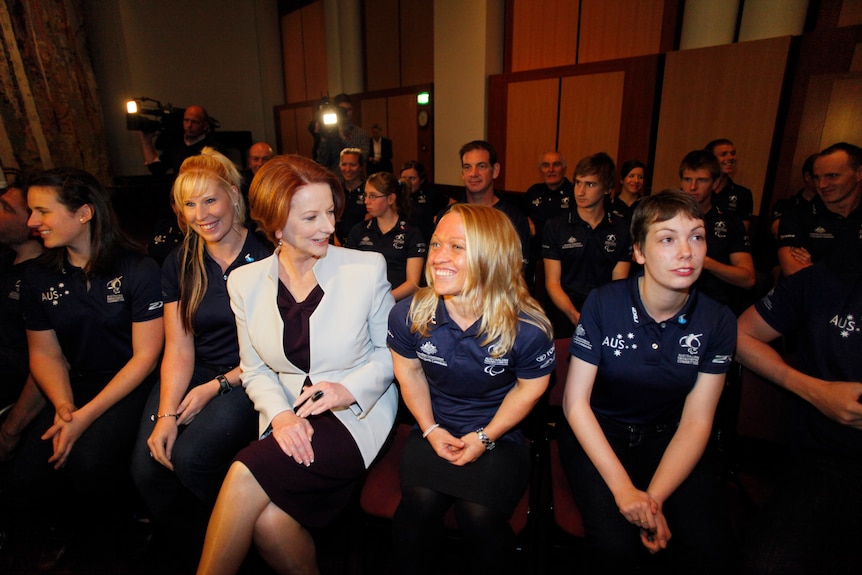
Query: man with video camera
{"x": 330, "y": 140}
{"x": 175, "y": 146}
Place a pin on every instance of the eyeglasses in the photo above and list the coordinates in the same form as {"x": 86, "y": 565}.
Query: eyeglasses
{"x": 374, "y": 196}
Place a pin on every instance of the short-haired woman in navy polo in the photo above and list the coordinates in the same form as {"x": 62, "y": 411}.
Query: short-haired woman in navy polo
{"x": 388, "y": 232}
{"x": 649, "y": 359}
{"x": 473, "y": 353}
{"x": 199, "y": 417}
{"x": 93, "y": 313}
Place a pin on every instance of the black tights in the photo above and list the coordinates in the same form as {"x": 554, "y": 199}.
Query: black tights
{"x": 417, "y": 527}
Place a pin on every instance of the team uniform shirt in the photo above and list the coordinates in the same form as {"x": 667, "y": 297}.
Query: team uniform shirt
{"x": 544, "y": 204}
{"x": 622, "y": 211}
{"x": 214, "y": 323}
{"x": 646, "y": 369}
{"x": 402, "y": 242}
{"x": 587, "y": 255}
{"x": 425, "y": 205}
{"x": 93, "y": 326}
{"x": 14, "y": 360}
{"x": 822, "y": 232}
{"x": 735, "y": 199}
{"x": 354, "y": 212}
{"x": 796, "y": 202}
{"x": 466, "y": 383}
{"x": 824, "y": 309}
{"x": 725, "y": 235}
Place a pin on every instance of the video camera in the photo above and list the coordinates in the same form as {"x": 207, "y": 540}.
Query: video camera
{"x": 150, "y": 116}
{"x": 328, "y": 116}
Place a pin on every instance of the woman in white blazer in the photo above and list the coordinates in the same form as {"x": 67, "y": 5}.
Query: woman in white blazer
{"x": 311, "y": 322}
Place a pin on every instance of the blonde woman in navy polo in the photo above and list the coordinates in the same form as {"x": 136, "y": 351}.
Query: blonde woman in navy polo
{"x": 473, "y": 354}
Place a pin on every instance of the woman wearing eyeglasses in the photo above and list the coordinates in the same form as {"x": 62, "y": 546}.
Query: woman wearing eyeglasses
{"x": 388, "y": 232}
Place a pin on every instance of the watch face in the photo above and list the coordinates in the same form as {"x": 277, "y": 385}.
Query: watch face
{"x": 423, "y": 118}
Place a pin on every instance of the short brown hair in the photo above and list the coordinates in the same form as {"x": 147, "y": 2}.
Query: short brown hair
{"x": 661, "y": 207}
{"x": 276, "y": 182}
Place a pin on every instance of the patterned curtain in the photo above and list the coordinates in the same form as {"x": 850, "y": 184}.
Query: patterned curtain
{"x": 50, "y": 114}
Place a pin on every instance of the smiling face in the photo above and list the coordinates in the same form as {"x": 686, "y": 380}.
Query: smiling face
{"x": 447, "y": 256}
{"x": 209, "y": 213}
{"x": 351, "y": 170}
{"x": 477, "y": 171}
{"x": 310, "y": 222}
{"x": 633, "y": 182}
{"x": 838, "y": 184}
{"x": 726, "y": 155}
{"x": 672, "y": 253}
{"x": 58, "y": 226}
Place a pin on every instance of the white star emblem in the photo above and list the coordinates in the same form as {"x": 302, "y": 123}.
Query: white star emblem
{"x": 617, "y": 353}
{"x": 845, "y": 333}
{"x": 630, "y": 335}
{"x": 619, "y": 336}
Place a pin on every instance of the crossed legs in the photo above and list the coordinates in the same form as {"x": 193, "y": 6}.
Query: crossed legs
{"x": 243, "y": 513}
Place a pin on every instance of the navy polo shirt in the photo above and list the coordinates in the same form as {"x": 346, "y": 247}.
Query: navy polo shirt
{"x": 94, "y": 327}
{"x": 646, "y": 369}
{"x": 725, "y": 235}
{"x": 544, "y": 204}
{"x": 354, "y": 212}
{"x": 214, "y": 323}
{"x": 824, "y": 309}
{"x": 735, "y": 199}
{"x": 467, "y": 385}
{"x": 13, "y": 339}
{"x": 587, "y": 255}
{"x": 821, "y": 231}
{"x": 622, "y": 211}
{"x": 425, "y": 205}
{"x": 402, "y": 242}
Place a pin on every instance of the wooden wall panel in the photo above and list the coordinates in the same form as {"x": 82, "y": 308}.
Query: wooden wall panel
{"x": 417, "y": 42}
{"x": 851, "y": 13}
{"x": 403, "y": 130}
{"x": 590, "y": 112}
{"x": 707, "y": 94}
{"x": 844, "y": 115}
{"x": 531, "y": 126}
{"x": 613, "y": 29}
{"x": 382, "y": 52}
{"x": 285, "y": 119}
{"x": 374, "y": 112}
{"x": 293, "y": 57}
{"x": 544, "y": 34}
{"x": 304, "y": 140}
{"x": 292, "y": 130}
{"x": 314, "y": 47}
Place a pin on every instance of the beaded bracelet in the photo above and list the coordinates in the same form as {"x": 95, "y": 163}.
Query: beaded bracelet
{"x": 154, "y": 417}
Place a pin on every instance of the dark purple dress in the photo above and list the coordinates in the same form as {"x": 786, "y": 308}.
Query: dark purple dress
{"x": 314, "y": 495}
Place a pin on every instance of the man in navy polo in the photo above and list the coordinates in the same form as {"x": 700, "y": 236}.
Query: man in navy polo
{"x": 586, "y": 247}
{"x": 806, "y": 237}
{"x": 813, "y": 522}
{"x": 728, "y": 270}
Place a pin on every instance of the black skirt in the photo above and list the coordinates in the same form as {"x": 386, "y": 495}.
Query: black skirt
{"x": 496, "y": 480}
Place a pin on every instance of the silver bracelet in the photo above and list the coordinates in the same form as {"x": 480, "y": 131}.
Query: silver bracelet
{"x": 154, "y": 417}
{"x": 428, "y": 431}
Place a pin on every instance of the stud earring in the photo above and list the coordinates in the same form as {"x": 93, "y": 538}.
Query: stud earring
{"x": 280, "y": 243}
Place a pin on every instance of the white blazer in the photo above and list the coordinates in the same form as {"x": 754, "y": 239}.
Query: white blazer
{"x": 348, "y": 342}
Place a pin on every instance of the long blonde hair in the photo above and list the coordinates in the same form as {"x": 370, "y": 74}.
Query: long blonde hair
{"x": 197, "y": 173}
{"x": 494, "y": 288}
